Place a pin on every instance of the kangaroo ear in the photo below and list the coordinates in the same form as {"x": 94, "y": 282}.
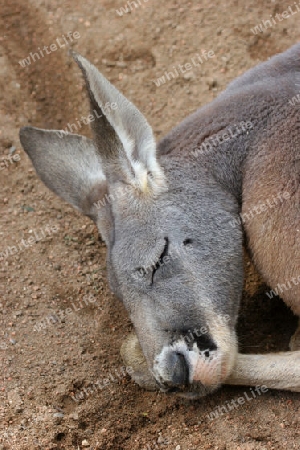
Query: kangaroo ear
{"x": 122, "y": 134}
{"x": 70, "y": 166}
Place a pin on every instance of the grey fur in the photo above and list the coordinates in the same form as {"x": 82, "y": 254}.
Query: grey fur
{"x": 181, "y": 196}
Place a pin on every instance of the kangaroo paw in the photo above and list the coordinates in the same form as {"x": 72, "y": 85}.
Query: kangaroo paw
{"x": 133, "y": 357}
{"x": 274, "y": 370}
{"x": 295, "y": 340}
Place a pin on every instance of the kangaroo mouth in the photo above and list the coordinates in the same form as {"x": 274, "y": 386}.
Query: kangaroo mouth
{"x": 180, "y": 369}
{"x": 178, "y": 366}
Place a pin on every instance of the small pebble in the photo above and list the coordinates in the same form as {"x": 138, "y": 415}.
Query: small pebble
{"x": 188, "y": 75}
{"x": 85, "y": 443}
{"x": 212, "y": 82}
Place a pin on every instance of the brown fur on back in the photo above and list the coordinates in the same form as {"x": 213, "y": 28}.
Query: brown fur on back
{"x": 258, "y": 166}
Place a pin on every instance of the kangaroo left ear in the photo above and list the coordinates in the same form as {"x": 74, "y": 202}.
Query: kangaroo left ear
{"x": 124, "y": 138}
{"x": 71, "y": 167}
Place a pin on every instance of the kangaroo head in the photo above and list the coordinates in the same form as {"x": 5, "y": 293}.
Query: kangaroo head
{"x": 172, "y": 254}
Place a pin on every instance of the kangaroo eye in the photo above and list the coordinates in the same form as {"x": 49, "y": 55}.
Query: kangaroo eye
{"x": 160, "y": 261}
{"x": 187, "y": 241}
{"x": 165, "y": 251}
{"x": 152, "y": 268}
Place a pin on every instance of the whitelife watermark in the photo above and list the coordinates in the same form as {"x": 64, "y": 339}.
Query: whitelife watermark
{"x": 283, "y": 287}
{"x": 180, "y": 69}
{"x": 60, "y": 315}
{"x": 294, "y": 100}
{"x": 232, "y": 132}
{"x": 237, "y": 402}
{"x": 60, "y": 42}
{"x": 141, "y": 272}
{"x": 190, "y": 336}
{"x": 130, "y": 6}
{"x": 108, "y": 199}
{"x": 39, "y": 235}
{"x": 74, "y": 127}
{"x": 102, "y": 383}
{"x": 270, "y": 203}
{"x": 279, "y": 17}
{"x": 8, "y": 160}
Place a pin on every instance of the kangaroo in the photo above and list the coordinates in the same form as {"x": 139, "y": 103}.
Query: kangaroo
{"x": 170, "y": 215}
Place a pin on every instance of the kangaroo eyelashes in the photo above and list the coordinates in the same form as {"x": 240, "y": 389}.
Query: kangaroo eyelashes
{"x": 165, "y": 251}
{"x": 153, "y": 267}
{"x": 160, "y": 262}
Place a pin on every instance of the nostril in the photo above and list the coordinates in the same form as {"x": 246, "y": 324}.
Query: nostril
{"x": 206, "y": 353}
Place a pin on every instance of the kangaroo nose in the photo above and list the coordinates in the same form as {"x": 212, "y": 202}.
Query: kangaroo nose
{"x": 177, "y": 370}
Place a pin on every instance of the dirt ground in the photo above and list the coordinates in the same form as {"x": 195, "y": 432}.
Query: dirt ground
{"x": 63, "y": 384}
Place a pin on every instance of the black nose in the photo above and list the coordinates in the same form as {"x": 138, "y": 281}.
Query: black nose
{"x": 177, "y": 369}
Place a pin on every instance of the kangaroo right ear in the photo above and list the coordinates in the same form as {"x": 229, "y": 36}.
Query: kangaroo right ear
{"x": 125, "y": 139}
{"x": 71, "y": 167}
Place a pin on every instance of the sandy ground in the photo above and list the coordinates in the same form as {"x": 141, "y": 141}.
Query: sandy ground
{"x": 58, "y": 271}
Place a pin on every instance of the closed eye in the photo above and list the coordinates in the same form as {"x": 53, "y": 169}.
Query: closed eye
{"x": 160, "y": 261}
{"x": 152, "y": 268}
